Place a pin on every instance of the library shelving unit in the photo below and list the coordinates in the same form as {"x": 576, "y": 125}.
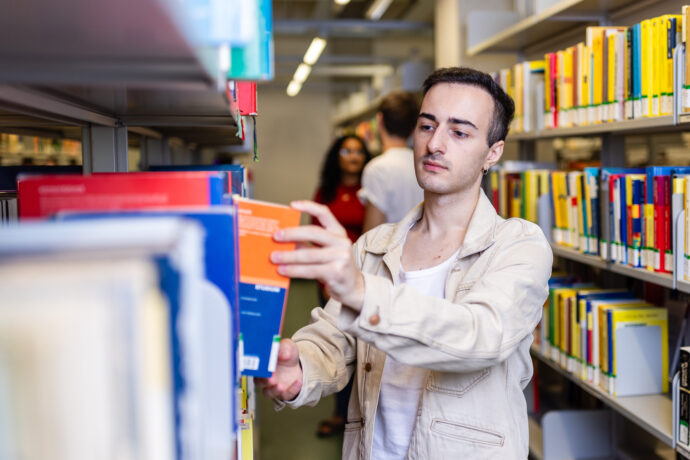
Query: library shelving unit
{"x": 549, "y": 21}
{"x": 111, "y": 68}
{"x": 653, "y": 413}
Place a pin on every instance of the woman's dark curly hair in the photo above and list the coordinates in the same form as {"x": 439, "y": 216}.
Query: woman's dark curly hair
{"x": 331, "y": 172}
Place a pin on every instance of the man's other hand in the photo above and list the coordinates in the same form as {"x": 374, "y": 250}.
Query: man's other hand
{"x": 286, "y": 382}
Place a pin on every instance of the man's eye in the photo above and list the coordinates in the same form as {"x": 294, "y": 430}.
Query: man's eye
{"x": 426, "y": 127}
{"x": 460, "y": 134}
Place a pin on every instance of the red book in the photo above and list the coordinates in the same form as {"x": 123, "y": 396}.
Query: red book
{"x": 44, "y": 196}
{"x": 659, "y": 234}
{"x": 666, "y": 255}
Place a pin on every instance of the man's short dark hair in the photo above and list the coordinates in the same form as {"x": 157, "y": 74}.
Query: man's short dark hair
{"x": 399, "y": 110}
{"x": 504, "y": 108}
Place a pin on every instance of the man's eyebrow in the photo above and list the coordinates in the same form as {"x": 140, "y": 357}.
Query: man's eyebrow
{"x": 454, "y": 121}
{"x": 458, "y": 121}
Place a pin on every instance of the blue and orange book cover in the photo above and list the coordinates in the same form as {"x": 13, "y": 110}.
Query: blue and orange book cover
{"x": 263, "y": 291}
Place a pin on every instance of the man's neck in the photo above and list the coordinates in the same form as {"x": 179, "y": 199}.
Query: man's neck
{"x": 447, "y": 214}
{"x": 441, "y": 230}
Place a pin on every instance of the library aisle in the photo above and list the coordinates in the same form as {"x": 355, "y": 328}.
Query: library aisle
{"x": 291, "y": 434}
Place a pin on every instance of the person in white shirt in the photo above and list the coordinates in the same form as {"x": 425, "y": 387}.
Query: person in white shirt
{"x": 389, "y": 185}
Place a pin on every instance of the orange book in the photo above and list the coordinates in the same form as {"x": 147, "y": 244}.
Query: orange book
{"x": 263, "y": 291}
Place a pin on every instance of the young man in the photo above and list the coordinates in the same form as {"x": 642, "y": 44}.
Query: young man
{"x": 389, "y": 186}
{"x": 435, "y": 314}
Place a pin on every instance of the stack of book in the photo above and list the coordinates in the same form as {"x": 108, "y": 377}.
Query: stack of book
{"x": 183, "y": 304}
{"x": 616, "y": 73}
{"x": 606, "y": 337}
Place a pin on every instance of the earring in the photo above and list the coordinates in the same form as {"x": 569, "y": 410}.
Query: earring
{"x": 485, "y": 171}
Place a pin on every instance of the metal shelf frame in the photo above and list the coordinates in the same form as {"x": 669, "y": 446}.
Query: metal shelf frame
{"x": 661, "y": 279}
{"x": 653, "y": 413}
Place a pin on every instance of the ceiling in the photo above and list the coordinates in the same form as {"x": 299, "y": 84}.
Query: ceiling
{"x": 358, "y": 48}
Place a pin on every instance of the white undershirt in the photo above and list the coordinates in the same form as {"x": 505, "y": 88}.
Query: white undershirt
{"x": 402, "y": 385}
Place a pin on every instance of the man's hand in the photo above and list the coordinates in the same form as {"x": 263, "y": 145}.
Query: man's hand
{"x": 324, "y": 253}
{"x": 286, "y": 382}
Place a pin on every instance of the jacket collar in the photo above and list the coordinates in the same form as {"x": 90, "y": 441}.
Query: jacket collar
{"x": 479, "y": 236}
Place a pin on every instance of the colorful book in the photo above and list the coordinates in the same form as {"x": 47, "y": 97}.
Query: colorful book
{"x": 262, "y": 290}
{"x": 43, "y": 196}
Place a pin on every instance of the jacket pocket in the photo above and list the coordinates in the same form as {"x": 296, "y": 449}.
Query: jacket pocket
{"x": 352, "y": 440}
{"x": 455, "y": 384}
{"x": 466, "y": 432}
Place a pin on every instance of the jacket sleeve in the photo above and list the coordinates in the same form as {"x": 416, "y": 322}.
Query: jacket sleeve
{"x": 481, "y": 328}
{"x": 327, "y": 354}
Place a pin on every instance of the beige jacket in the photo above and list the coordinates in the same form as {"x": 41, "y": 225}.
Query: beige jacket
{"x": 475, "y": 342}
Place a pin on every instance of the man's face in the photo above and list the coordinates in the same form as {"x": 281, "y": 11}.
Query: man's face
{"x": 450, "y": 139}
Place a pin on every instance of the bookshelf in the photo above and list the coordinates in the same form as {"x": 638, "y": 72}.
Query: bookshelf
{"x": 549, "y": 22}
{"x": 555, "y": 28}
{"x": 651, "y": 412}
{"x": 648, "y": 125}
{"x": 661, "y": 279}
{"x": 108, "y": 68}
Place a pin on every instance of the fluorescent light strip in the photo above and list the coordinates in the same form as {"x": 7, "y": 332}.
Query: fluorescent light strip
{"x": 314, "y": 50}
{"x": 294, "y": 88}
{"x": 377, "y": 9}
{"x": 302, "y": 72}
{"x": 342, "y": 2}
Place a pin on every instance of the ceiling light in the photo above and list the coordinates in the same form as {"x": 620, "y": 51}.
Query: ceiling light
{"x": 377, "y": 9}
{"x": 294, "y": 88}
{"x": 301, "y": 73}
{"x": 314, "y": 50}
{"x": 341, "y": 2}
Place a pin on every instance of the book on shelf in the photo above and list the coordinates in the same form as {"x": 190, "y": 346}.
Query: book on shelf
{"x": 43, "y": 196}
{"x": 220, "y": 258}
{"x": 684, "y": 398}
{"x": 8, "y": 207}
{"x": 262, "y": 290}
{"x": 598, "y": 334}
{"x": 197, "y": 330}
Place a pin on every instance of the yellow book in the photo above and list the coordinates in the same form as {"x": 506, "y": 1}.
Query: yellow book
{"x": 598, "y": 75}
{"x": 567, "y": 88}
{"x": 647, "y": 66}
{"x": 656, "y": 71}
{"x": 586, "y": 80}
{"x": 531, "y": 195}
{"x": 518, "y": 97}
{"x": 671, "y": 23}
{"x": 611, "y": 75}
{"x": 685, "y": 101}
{"x": 645, "y": 323}
{"x": 579, "y": 102}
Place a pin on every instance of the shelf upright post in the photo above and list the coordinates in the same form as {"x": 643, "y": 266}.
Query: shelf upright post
{"x": 527, "y": 150}
{"x": 104, "y": 149}
{"x": 612, "y": 150}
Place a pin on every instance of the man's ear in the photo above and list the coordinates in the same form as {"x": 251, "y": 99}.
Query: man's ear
{"x": 495, "y": 153}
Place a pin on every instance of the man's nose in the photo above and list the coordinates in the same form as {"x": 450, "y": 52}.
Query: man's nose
{"x": 437, "y": 143}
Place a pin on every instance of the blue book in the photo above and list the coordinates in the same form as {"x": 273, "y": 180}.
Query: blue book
{"x": 624, "y": 220}
{"x": 220, "y": 265}
{"x": 592, "y": 178}
{"x": 637, "y": 66}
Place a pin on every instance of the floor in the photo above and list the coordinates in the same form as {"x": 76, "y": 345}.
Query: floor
{"x": 290, "y": 434}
